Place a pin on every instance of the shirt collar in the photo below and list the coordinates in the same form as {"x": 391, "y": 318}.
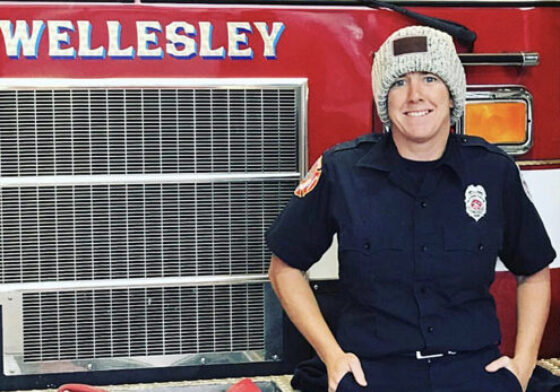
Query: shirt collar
{"x": 381, "y": 156}
{"x": 384, "y": 156}
{"x": 453, "y": 159}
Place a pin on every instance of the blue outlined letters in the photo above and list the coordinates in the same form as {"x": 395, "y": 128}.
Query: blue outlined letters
{"x": 145, "y": 39}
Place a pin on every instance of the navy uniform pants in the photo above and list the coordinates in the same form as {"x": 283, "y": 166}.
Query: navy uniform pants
{"x": 463, "y": 372}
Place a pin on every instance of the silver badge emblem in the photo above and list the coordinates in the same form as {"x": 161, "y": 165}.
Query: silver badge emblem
{"x": 475, "y": 201}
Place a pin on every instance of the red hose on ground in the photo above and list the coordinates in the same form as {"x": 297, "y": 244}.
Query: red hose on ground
{"x": 80, "y": 388}
{"x": 245, "y": 385}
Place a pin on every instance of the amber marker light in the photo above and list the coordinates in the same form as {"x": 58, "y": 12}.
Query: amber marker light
{"x": 497, "y": 122}
{"x": 500, "y": 114}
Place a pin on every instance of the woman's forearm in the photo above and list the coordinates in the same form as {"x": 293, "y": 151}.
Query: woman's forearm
{"x": 533, "y": 302}
{"x": 300, "y": 304}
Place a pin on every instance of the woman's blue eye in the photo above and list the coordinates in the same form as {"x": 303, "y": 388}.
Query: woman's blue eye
{"x": 398, "y": 83}
{"x": 431, "y": 79}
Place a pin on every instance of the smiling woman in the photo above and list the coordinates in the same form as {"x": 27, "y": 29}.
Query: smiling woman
{"x": 421, "y": 216}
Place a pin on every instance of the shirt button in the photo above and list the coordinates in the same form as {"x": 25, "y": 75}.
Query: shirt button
{"x": 430, "y": 329}
{"x": 424, "y": 248}
{"x": 366, "y": 245}
{"x": 423, "y": 204}
{"x": 481, "y": 247}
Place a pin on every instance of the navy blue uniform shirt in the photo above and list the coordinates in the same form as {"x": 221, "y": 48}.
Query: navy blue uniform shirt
{"x": 416, "y": 260}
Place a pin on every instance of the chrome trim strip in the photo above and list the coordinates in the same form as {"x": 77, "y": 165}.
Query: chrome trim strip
{"x": 520, "y": 59}
{"x": 531, "y": 59}
{"x": 181, "y": 178}
{"x": 17, "y": 366}
{"x": 80, "y": 285}
{"x": 503, "y": 93}
{"x": 303, "y": 142}
{"x": 538, "y": 162}
{"x": 217, "y": 83}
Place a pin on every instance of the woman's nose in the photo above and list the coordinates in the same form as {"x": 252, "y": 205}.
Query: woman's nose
{"x": 414, "y": 91}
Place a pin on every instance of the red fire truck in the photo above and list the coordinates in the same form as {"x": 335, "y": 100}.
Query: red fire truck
{"x": 146, "y": 146}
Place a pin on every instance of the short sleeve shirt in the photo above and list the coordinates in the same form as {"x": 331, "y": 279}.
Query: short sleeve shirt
{"x": 415, "y": 261}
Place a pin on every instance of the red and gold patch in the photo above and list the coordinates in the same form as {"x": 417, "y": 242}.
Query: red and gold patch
{"x": 310, "y": 180}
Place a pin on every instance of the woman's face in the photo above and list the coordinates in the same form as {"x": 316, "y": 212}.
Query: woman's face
{"x": 419, "y": 108}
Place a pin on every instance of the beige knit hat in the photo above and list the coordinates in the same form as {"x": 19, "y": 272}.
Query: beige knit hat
{"x": 418, "y": 49}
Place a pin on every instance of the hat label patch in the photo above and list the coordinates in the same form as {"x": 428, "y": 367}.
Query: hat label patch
{"x": 475, "y": 201}
{"x": 410, "y": 45}
{"x": 309, "y": 182}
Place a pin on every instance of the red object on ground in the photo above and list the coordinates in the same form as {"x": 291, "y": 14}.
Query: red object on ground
{"x": 80, "y": 388}
{"x": 245, "y": 385}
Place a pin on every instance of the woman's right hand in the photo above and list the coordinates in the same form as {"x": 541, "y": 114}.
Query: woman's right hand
{"x": 342, "y": 364}
{"x": 300, "y": 304}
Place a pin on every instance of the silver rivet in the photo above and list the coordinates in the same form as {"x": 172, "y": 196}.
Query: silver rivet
{"x": 203, "y": 360}
{"x": 315, "y": 287}
{"x": 275, "y": 357}
{"x": 89, "y": 366}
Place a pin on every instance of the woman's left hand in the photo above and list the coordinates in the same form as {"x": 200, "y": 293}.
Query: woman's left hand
{"x": 521, "y": 369}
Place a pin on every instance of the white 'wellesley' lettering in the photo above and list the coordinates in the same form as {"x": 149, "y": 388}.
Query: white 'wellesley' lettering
{"x": 85, "y": 51}
{"x": 20, "y": 39}
{"x": 182, "y": 40}
{"x": 59, "y": 36}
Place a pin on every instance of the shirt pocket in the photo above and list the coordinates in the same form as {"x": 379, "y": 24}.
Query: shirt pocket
{"x": 471, "y": 238}
{"x": 367, "y": 259}
{"x": 471, "y": 251}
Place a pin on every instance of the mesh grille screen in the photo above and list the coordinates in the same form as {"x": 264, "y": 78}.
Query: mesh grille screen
{"x": 143, "y": 322}
{"x": 136, "y": 231}
{"x": 129, "y": 230}
{"x": 98, "y": 131}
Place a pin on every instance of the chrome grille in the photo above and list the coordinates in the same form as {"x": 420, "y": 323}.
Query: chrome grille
{"x": 132, "y": 184}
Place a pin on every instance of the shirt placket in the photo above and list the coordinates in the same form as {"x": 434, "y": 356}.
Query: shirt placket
{"x": 425, "y": 252}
